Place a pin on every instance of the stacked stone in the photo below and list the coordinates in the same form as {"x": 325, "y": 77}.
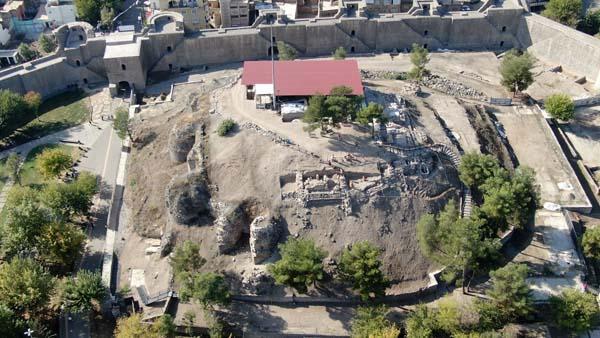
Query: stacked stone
{"x": 264, "y": 235}
{"x": 452, "y": 87}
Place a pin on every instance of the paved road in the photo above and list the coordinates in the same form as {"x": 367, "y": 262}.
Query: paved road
{"x": 132, "y": 9}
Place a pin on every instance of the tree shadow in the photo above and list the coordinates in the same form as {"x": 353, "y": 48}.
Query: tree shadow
{"x": 254, "y": 318}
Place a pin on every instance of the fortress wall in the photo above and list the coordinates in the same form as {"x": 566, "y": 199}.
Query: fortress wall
{"x": 47, "y": 79}
{"x": 223, "y": 48}
{"x": 553, "y": 43}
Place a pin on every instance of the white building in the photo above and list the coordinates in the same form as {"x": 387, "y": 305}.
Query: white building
{"x": 60, "y": 12}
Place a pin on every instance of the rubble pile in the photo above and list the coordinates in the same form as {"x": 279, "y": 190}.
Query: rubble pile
{"x": 452, "y": 87}
{"x": 259, "y": 282}
{"x": 273, "y": 136}
{"x": 188, "y": 198}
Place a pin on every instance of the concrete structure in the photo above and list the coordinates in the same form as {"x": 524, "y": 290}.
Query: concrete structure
{"x": 60, "y": 12}
{"x": 229, "y": 13}
{"x": 194, "y": 12}
{"x": 164, "y": 47}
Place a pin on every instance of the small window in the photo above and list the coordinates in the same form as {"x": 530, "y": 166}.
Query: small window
{"x": 504, "y": 28}
{"x": 501, "y": 43}
{"x": 80, "y": 37}
{"x": 169, "y": 49}
{"x": 425, "y": 46}
{"x": 425, "y": 32}
{"x": 273, "y": 39}
{"x": 85, "y": 81}
{"x": 123, "y": 67}
{"x": 353, "y": 33}
{"x": 78, "y": 63}
{"x": 352, "y": 49}
{"x": 170, "y": 66}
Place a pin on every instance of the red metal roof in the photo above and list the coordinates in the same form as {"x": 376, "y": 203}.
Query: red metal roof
{"x": 304, "y": 78}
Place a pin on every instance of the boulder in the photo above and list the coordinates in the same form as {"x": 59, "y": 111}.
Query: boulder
{"x": 181, "y": 141}
{"x": 264, "y": 235}
{"x": 231, "y": 224}
{"x": 188, "y": 198}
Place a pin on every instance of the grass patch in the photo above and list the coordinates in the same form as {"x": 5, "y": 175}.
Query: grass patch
{"x": 3, "y": 173}
{"x": 29, "y": 173}
{"x": 57, "y": 113}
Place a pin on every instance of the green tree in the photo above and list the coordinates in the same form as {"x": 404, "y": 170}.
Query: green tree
{"x": 107, "y": 15}
{"x": 476, "y": 168}
{"x": 458, "y": 243}
{"x": 208, "y": 289}
{"x": 339, "y": 54}
{"x": 9, "y": 323}
{"x": 189, "y": 317}
{"x": 510, "y": 293}
{"x": 52, "y": 162}
{"x": 132, "y": 327}
{"x": 337, "y": 107}
{"x": 361, "y": 266}
{"x": 370, "y": 112}
{"x": 187, "y": 258}
{"x": 591, "y": 243}
{"x": 301, "y": 264}
{"x": 515, "y": 70}
{"x": 23, "y": 224}
{"x": 46, "y": 43}
{"x": 68, "y": 199}
{"x": 286, "y": 52}
{"x": 25, "y": 287}
{"x": 226, "y": 127}
{"x": 575, "y": 311}
{"x": 34, "y": 101}
{"x": 419, "y": 57}
{"x": 560, "y": 106}
{"x": 567, "y": 12}
{"x": 14, "y": 112}
{"x": 90, "y": 10}
{"x": 590, "y": 24}
{"x": 371, "y": 322}
{"x": 13, "y": 165}
{"x": 26, "y": 52}
{"x": 83, "y": 293}
{"x": 121, "y": 123}
{"x": 421, "y": 323}
{"x": 60, "y": 244}
{"x": 165, "y": 327}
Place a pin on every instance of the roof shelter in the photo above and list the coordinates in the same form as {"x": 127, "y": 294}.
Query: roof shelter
{"x": 304, "y": 78}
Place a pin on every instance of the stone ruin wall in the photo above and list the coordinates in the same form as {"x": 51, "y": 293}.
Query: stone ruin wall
{"x": 496, "y": 29}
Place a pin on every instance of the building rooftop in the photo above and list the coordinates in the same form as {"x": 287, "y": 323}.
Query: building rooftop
{"x": 304, "y": 78}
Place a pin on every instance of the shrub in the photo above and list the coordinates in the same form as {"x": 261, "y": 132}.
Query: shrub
{"x": 226, "y": 127}
{"x": 339, "y": 54}
{"x": 52, "y": 162}
{"x": 560, "y": 106}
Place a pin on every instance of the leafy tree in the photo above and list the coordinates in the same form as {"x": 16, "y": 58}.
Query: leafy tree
{"x": 25, "y": 287}
{"x": 590, "y": 24}
{"x": 421, "y": 323}
{"x": 26, "y": 52}
{"x": 187, "y": 258}
{"x": 476, "y": 168}
{"x": 226, "y": 127}
{"x": 361, "y": 265}
{"x": 419, "y": 57}
{"x": 339, "y": 54}
{"x": 9, "y": 323}
{"x": 47, "y": 43}
{"x": 34, "y": 101}
{"x": 208, "y": 289}
{"x": 448, "y": 316}
{"x": 458, "y": 243}
{"x": 13, "y": 165}
{"x": 52, "y": 162}
{"x": 165, "y": 327}
{"x": 84, "y": 293}
{"x": 107, "y": 15}
{"x": 566, "y": 12}
{"x": 575, "y": 311}
{"x": 300, "y": 265}
{"x": 90, "y": 10}
{"x": 14, "y": 112}
{"x": 23, "y": 223}
{"x": 591, "y": 242}
{"x": 121, "y": 123}
{"x": 60, "y": 244}
{"x": 371, "y": 322}
{"x": 66, "y": 200}
{"x": 560, "y": 106}
{"x": 132, "y": 327}
{"x": 510, "y": 200}
{"x": 516, "y": 71}
{"x": 511, "y": 296}
{"x": 189, "y": 317}
{"x": 337, "y": 107}
{"x": 286, "y": 52}
{"x": 370, "y": 112}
